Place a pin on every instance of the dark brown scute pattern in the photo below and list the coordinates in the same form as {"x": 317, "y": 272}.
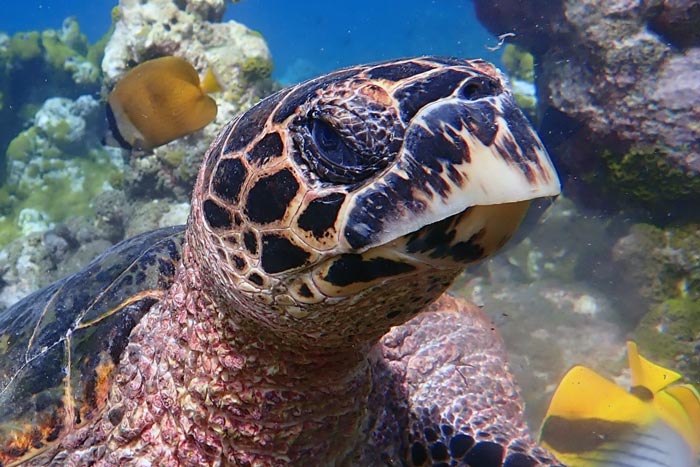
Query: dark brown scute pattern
{"x": 366, "y": 220}
{"x": 279, "y": 254}
{"x": 481, "y": 122}
{"x": 216, "y": 149}
{"x": 443, "y": 448}
{"x": 321, "y": 214}
{"x": 217, "y": 216}
{"x": 417, "y": 94}
{"x": 301, "y": 94}
{"x": 250, "y": 124}
{"x": 437, "y": 241}
{"x": 271, "y": 196}
{"x": 251, "y": 242}
{"x": 238, "y": 262}
{"x": 353, "y": 268}
{"x": 256, "y": 279}
{"x": 228, "y": 180}
{"x": 520, "y": 130}
{"x": 445, "y": 444}
{"x": 397, "y": 72}
{"x": 268, "y": 147}
{"x": 436, "y": 149}
{"x": 304, "y": 291}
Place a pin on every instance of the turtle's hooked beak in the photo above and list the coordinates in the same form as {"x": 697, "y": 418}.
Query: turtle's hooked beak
{"x": 469, "y": 146}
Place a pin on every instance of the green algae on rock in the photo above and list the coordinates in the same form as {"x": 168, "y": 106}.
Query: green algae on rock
{"x": 660, "y": 264}
{"x": 25, "y": 46}
{"x": 57, "y": 166}
{"x": 671, "y": 334}
{"x": 61, "y": 60}
{"x": 647, "y": 175}
{"x": 519, "y": 63}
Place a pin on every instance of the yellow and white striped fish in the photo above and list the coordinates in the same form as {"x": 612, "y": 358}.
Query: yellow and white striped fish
{"x": 593, "y": 422}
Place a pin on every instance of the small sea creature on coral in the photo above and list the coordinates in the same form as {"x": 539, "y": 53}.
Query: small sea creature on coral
{"x": 159, "y": 101}
{"x": 593, "y": 422}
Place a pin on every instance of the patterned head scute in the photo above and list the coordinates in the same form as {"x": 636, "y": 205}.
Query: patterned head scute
{"x": 370, "y": 187}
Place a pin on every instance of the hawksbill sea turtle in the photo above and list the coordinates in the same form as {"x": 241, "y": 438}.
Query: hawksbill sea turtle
{"x": 282, "y": 325}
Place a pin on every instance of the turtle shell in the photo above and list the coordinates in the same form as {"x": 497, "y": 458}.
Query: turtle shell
{"x": 59, "y": 346}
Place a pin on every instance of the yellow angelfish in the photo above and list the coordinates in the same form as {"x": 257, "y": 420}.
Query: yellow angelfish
{"x": 159, "y": 101}
{"x": 593, "y": 422}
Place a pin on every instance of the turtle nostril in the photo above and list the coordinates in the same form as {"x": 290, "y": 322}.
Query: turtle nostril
{"x": 477, "y": 88}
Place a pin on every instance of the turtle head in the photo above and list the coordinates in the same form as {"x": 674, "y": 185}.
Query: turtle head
{"x": 344, "y": 205}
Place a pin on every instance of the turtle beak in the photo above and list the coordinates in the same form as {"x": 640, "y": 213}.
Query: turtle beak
{"x": 471, "y": 147}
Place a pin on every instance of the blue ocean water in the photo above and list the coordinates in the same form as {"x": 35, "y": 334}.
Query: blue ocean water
{"x": 310, "y": 38}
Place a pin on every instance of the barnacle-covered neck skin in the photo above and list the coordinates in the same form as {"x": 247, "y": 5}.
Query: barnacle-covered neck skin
{"x": 342, "y": 206}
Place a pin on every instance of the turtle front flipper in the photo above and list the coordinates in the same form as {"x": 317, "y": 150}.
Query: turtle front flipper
{"x": 454, "y": 399}
{"x": 60, "y": 345}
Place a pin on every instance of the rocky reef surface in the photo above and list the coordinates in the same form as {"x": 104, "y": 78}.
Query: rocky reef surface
{"x": 619, "y": 90}
{"x": 63, "y": 62}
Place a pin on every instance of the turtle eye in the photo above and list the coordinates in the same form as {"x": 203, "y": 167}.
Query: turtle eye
{"x": 340, "y": 147}
{"x": 331, "y": 147}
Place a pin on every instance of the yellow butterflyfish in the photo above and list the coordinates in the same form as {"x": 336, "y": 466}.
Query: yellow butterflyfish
{"x": 593, "y": 422}
{"x": 158, "y": 101}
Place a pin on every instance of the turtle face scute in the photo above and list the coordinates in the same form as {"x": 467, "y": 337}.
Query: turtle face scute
{"x": 345, "y": 204}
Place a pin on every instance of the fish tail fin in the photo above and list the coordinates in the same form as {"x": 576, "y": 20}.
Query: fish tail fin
{"x": 648, "y": 374}
{"x": 210, "y": 84}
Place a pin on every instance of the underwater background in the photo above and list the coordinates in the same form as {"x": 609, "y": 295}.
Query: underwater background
{"x": 309, "y": 38}
{"x": 612, "y": 87}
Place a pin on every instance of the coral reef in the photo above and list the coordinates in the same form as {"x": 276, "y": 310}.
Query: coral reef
{"x": 238, "y": 57}
{"x": 68, "y": 196}
{"x": 656, "y": 264}
{"x": 618, "y": 85}
{"x": 62, "y": 61}
{"x": 55, "y": 167}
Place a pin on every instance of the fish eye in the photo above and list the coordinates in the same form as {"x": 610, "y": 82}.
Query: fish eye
{"x": 479, "y": 87}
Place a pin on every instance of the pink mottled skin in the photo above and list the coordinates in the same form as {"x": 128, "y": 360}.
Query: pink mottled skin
{"x": 196, "y": 389}
{"x": 202, "y": 390}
